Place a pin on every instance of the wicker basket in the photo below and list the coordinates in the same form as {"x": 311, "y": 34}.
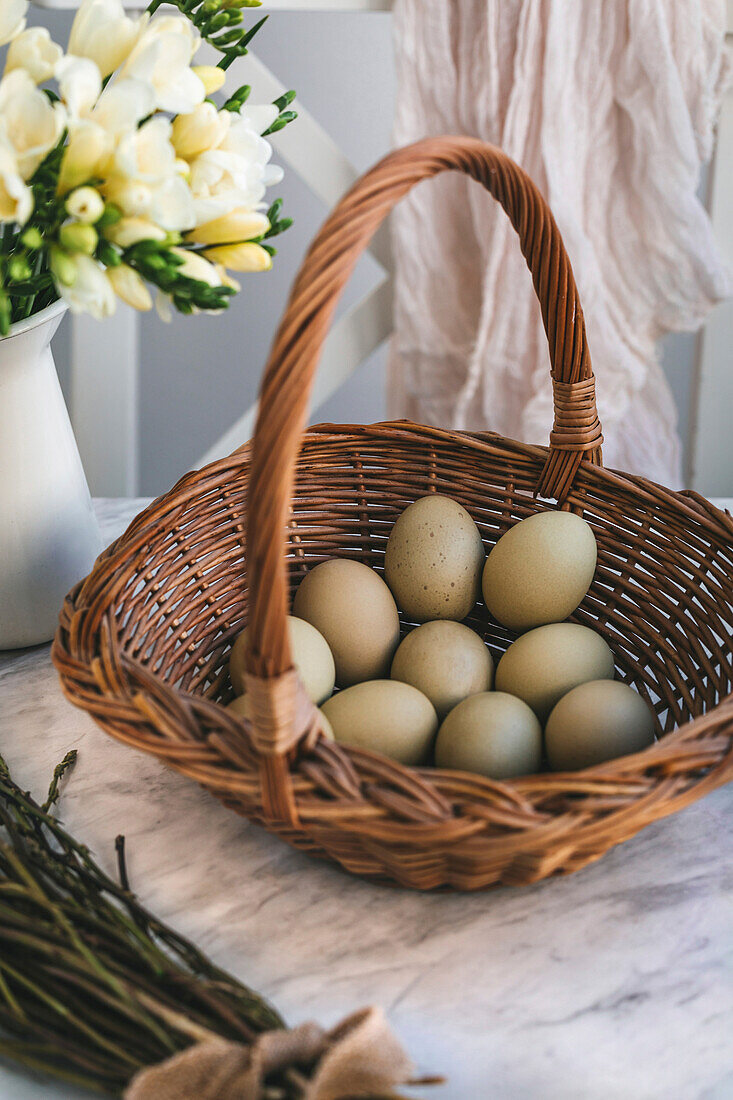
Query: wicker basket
{"x": 143, "y": 642}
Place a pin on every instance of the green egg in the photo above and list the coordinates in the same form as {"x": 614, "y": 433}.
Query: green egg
{"x": 492, "y": 734}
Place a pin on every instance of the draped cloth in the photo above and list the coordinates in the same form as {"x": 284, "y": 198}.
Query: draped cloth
{"x": 610, "y": 106}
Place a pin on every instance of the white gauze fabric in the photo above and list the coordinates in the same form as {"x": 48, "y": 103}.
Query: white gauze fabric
{"x": 610, "y": 106}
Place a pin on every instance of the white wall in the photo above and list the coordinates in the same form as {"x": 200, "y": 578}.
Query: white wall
{"x": 200, "y": 373}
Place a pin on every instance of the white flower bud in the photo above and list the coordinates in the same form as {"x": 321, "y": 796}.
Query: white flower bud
{"x": 85, "y": 204}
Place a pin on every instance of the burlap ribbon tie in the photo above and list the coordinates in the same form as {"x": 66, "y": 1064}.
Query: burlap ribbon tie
{"x": 359, "y": 1057}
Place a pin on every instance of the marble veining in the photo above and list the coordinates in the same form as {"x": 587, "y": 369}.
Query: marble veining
{"x": 616, "y": 982}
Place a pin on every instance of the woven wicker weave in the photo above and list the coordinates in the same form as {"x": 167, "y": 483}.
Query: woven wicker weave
{"x": 143, "y": 642}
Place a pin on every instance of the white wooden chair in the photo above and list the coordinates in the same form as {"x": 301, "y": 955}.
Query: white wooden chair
{"x": 104, "y": 405}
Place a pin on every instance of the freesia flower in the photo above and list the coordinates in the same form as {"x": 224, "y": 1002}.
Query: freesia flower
{"x": 16, "y": 198}
{"x": 130, "y": 287}
{"x": 145, "y": 179}
{"x": 172, "y": 205}
{"x": 91, "y": 140}
{"x": 30, "y": 122}
{"x": 245, "y": 256}
{"x": 89, "y": 289}
{"x": 122, "y": 105}
{"x": 103, "y": 33}
{"x": 147, "y": 153}
{"x": 80, "y": 85}
{"x": 162, "y": 58}
{"x": 234, "y": 174}
{"x": 34, "y": 51}
{"x": 12, "y": 19}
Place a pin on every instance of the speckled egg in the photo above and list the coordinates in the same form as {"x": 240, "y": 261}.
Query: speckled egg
{"x": 434, "y": 560}
{"x": 445, "y": 661}
{"x": 539, "y": 570}
{"x": 597, "y": 721}
{"x": 384, "y": 716}
{"x": 492, "y": 734}
{"x": 355, "y": 612}
{"x": 311, "y": 656}
{"x": 546, "y": 663}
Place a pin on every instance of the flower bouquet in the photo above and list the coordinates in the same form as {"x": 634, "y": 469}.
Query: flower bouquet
{"x": 120, "y": 173}
{"x": 121, "y": 177}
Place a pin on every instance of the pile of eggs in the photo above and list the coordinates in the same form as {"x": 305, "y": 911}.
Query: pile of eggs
{"x": 435, "y": 696}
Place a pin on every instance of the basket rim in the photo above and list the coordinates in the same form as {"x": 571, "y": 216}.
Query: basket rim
{"x": 688, "y": 501}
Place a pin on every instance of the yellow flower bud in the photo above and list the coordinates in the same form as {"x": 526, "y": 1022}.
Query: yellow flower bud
{"x": 130, "y": 287}
{"x": 240, "y": 257}
{"x": 89, "y": 145}
{"x": 211, "y": 76}
{"x": 201, "y": 129}
{"x": 182, "y": 167}
{"x": 240, "y": 225}
{"x": 85, "y": 204}
{"x": 78, "y": 238}
{"x": 128, "y": 231}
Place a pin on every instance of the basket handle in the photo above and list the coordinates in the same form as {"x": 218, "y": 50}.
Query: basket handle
{"x": 286, "y": 386}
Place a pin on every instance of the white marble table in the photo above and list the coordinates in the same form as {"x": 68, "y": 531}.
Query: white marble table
{"x": 614, "y": 983}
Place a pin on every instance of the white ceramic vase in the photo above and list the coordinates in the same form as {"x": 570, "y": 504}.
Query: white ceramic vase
{"x": 49, "y": 535}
